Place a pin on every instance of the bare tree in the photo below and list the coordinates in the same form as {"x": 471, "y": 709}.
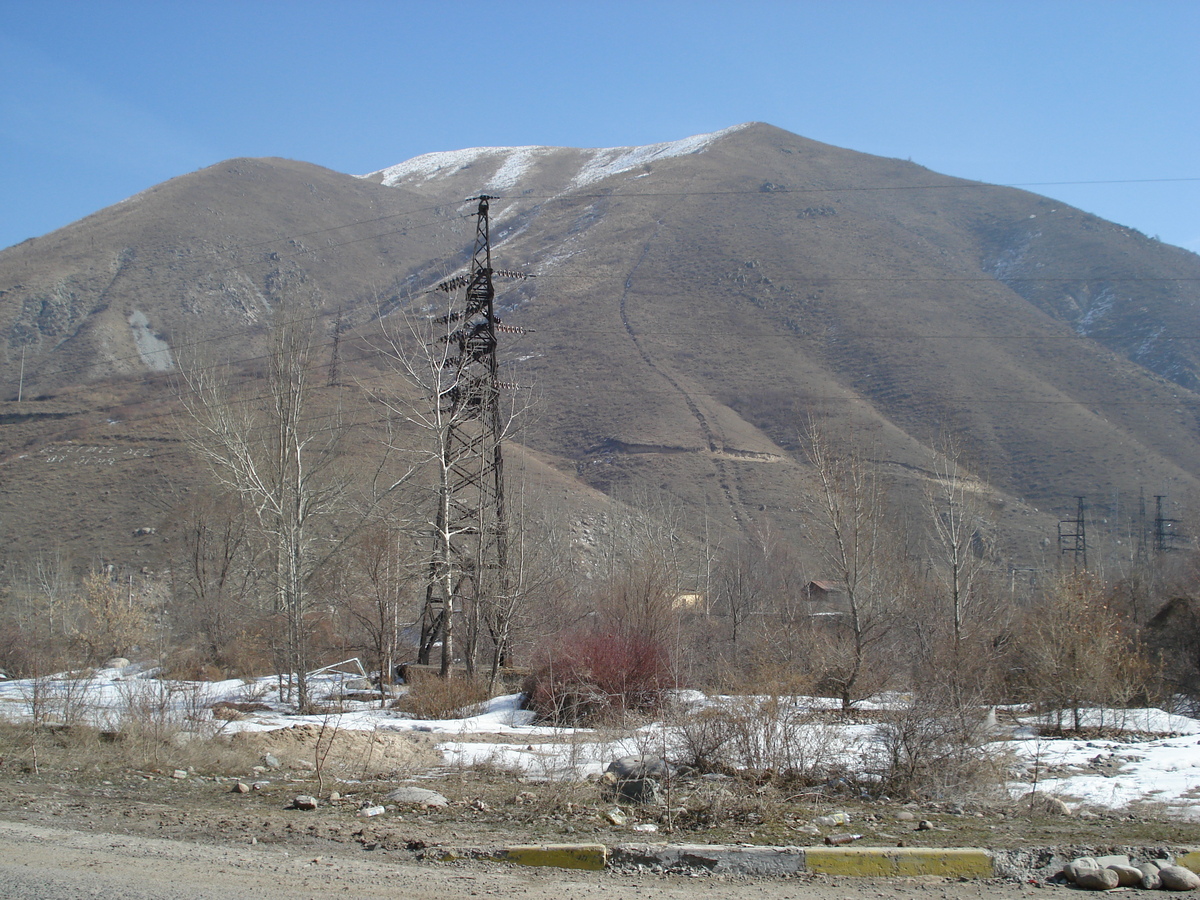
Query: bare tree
{"x": 958, "y": 522}
{"x": 279, "y": 452}
{"x": 215, "y": 573}
{"x": 849, "y": 513}
{"x": 384, "y": 572}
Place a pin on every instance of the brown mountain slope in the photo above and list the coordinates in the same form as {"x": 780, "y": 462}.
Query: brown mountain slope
{"x": 695, "y": 303}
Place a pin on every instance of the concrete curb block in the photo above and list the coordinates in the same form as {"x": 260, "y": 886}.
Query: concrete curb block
{"x": 778, "y": 861}
{"x": 964, "y": 862}
{"x": 771, "y": 861}
{"x": 561, "y": 856}
{"x": 715, "y": 859}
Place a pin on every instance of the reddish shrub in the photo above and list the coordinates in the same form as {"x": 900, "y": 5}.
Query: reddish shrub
{"x": 590, "y": 676}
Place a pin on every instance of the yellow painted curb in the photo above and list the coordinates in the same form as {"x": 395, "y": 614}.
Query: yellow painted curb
{"x": 561, "y": 856}
{"x": 884, "y": 861}
{"x": 1189, "y": 860}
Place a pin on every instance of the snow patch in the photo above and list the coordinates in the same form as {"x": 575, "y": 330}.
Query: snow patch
{"x": 512, "y": 163}
{"x": 614, "y": 160}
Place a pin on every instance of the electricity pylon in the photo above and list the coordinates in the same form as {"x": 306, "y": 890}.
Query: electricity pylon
{"x": 468, "y": 573}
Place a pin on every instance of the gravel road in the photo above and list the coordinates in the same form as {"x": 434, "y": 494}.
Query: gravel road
{"x": 40, "y": 863}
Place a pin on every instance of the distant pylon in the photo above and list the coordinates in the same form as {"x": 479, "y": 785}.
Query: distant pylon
{"x": 468, "y": 571}
{"x": 1166, "y": 531}
{"x": 1072, "y": 538}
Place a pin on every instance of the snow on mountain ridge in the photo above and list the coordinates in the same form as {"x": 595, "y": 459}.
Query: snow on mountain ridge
{"x": 513, "y": 162}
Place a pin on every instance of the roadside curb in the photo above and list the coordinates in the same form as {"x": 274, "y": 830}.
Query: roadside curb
{"x": 772, "y": 861}
{"x": 593, "y": 857}
{"x": 959, "y": 862}
{"x": 876, "y": 862}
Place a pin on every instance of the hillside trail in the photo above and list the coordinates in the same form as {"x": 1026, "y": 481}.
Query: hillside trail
{"x": 728, "y": 487}
{"x": 42, "y": 863}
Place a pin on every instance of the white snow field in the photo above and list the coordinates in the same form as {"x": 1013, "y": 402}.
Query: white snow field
{"x": 1148, "y": 757}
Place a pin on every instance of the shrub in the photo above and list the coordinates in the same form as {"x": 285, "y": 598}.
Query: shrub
{"x": 778, "y": 735}
{"x": 595, "y": 675}
{"x": 938, "y": 748}
{"x": 432, "y": 697}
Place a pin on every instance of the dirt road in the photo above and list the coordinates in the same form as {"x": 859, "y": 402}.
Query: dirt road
{"x": 41, "y": 863}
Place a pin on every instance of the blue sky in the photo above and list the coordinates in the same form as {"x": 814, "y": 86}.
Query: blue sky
{"x": 100, "y": 99}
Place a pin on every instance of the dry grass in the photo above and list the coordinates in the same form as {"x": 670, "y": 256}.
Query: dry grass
{"x": 83, "y": 750}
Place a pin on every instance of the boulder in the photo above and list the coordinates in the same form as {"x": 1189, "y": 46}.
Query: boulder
{"x": 1078, "y": 865}
{"x": 1096, "y": 879}
{"x": 1150, "y": 878}
{"x": 304, "y": 801}
{"x": 640, "y": 765}
{"x": 1177, "y": 878}
{"x": 1127, "y": 876}
{"x": 415, "y": 796}
{"x": 1038, "y": 802}
{"x": 634, "y": 779}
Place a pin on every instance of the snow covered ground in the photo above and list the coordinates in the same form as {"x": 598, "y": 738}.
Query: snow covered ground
{"x": 1150, "y": 757}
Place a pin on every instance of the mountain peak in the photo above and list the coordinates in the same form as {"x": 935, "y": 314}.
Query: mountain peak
{"x": 508, "y": 164}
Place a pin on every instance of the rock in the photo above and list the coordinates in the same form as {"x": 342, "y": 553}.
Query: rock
{"x": 241, "y": 788}
{"x": 647, "y": 827}
{"x": 334, "y": 796}
{"x": 634, "y": 779}
{"x": 615, "y": 817}
{"x": 641, "y": 765}
{"x": 304, "y": 801}
{"x": 1127, "y": 876}
{"x": 1096, "y": 879}
{"x": 924, "y": 825}
{"x": 271, "y": 761}
{"x": 1177, "y": 878}
{"x": 368, "y": 811}
{"x": 117, "y": 662}
{"x": 1150, "y": 877}
{"x": 1080, "y": 864}
{"x": 415, "y": 796}
{"x": 1037, "y": 802}
{"x": 905, "y": 816}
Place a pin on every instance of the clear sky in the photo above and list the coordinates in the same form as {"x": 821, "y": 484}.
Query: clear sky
{"x": 100, "y": 99}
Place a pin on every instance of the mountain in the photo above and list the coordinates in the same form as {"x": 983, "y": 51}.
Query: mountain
{"x": 694, "y": 304}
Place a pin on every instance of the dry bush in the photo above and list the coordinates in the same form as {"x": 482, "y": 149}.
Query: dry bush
{"x": 432, "y": 697}
{"x": 60, "y": 700}
{"x": 938, "y": 748}
{"x": 598, "y": 675}
{"x": 189, "y": 664}
{"x": 774, "y": 734}
{"x": 112, "y": 623}
{"x": 1077, "y": 652}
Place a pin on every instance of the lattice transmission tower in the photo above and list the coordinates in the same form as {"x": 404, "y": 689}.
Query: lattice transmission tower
{"x": 469, "y": 568}
{"x": 1072, "y": 538}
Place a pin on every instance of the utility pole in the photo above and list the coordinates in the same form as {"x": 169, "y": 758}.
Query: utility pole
{"x": 468, "y": 571}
